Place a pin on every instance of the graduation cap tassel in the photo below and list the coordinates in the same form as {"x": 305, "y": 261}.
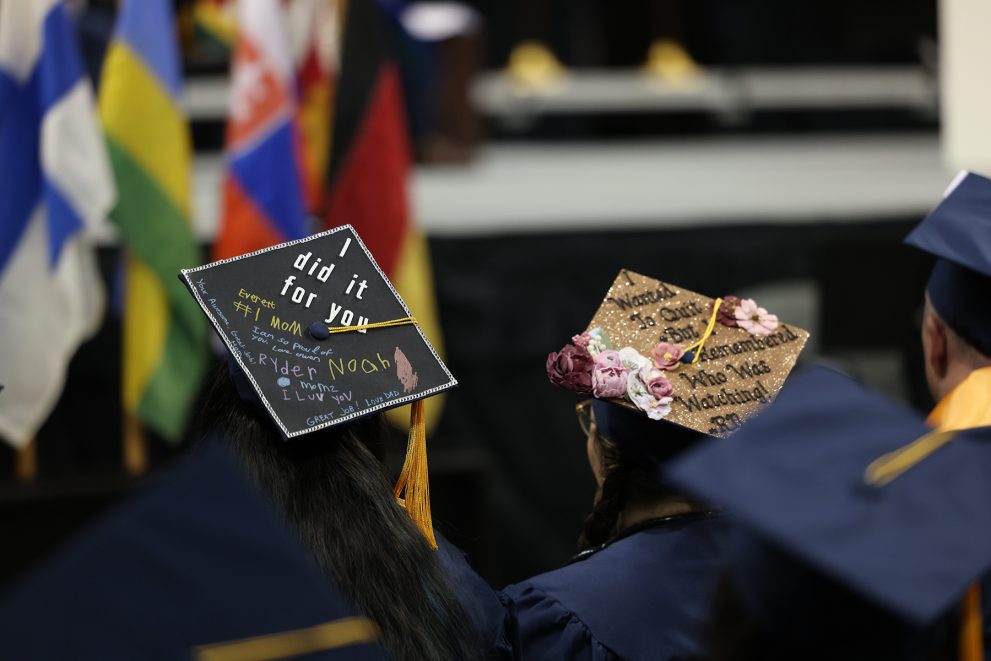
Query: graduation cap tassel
{"x": 26, "y": 467}
{"x": 413, "y": 486}
{"x": 971, "y": 626}
{"x": 890, "y": 466}
{"x": 710, "y": 327}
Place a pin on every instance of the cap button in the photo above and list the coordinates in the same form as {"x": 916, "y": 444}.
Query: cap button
{"x": 319, "y": 331}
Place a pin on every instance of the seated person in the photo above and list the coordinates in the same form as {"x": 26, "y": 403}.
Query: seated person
{"x": 857, "y": 529}
{"x": 316, "y": 356}
{"x": 956, "y": 325}
{"x": 649, "y": 555}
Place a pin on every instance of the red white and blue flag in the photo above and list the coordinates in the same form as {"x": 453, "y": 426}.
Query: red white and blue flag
{"x": 263, "y": 195}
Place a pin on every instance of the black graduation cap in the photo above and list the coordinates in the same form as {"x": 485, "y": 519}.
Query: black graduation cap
{"x": 858, "y": 488}
{"x": 196, "y": 567}
{"x": 320, "y": 337}
{"x": 320, "y": 333}
{"x": 958, "y": 233}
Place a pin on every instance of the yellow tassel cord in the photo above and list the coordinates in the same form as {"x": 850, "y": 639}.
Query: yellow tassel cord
{"x": 413, "y": 486}
{"x": 972, "y": 626}
{"x": 378, "y": 324}
{"x": 892, "y": 465}
{"x": 698, "y": 346}
{"x": 291, "y": 644}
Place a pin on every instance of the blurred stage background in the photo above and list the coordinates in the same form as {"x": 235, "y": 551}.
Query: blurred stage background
{"x": 788, "y": 166}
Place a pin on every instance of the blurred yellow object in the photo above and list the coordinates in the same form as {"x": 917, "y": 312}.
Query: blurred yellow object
{"x": 26, "y": 466}
{"x": 216, "y": 19}
{"x": 670, "y": 62}
{"x": 533, "y": 68}
{"x": 967, "y": 406}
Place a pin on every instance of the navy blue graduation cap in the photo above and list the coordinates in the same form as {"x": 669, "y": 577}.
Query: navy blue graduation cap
{"x": 858, "y": 489}
{"x": 958, "y": 233}
{"x": 320, "y": 337}
{"x": 196, "y": 567}
{"x": 641, "y": 437}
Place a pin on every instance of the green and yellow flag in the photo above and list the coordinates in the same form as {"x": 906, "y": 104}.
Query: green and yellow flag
{"x": 165, "y": 337}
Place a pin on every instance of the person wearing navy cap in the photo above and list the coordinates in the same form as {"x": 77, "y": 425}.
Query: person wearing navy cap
{"x": 956, "y": 330}
{"x": 197, "y": 566}
{"x": 649, "y": 555}
{"x": 320, "y": 345}
{"x": 956, "y": 327}
{"x": 858, "y": 528}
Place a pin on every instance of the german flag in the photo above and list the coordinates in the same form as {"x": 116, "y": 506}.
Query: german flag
{"x": 314, "y": 25}
{"x": 370, "y": 160}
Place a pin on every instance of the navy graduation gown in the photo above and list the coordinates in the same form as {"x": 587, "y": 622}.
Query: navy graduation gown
{"x": 643, "y": 596}
{"x": 491, "y": 614}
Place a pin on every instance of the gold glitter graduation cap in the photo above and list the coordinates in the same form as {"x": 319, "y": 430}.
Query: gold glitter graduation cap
{"x": 321, "y": 337}
{"x": 702, "y": 363}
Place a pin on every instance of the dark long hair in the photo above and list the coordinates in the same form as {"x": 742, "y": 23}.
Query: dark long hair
{"x": 335, "y": 493}
{"x": 630, "y": 475}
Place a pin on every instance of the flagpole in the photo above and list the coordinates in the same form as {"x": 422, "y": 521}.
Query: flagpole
{"x": 26, "y": 467}
{"x": 134, "y": 447}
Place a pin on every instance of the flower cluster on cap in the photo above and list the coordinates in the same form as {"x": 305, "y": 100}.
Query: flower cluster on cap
{"x": 589, "y": 365}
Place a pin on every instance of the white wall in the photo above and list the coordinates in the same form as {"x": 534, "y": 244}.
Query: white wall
{"x": 965, "y": 73}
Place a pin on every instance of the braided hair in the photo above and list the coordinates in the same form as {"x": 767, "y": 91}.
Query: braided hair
{"x": 610, "y": 498}
{"x": 629, "y": 469}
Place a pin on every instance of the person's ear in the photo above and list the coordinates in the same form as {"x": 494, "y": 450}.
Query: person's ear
{"x": 935, "y": 343}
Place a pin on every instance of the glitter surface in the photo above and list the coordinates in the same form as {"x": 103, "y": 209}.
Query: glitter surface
{"x": 735, "y": 376}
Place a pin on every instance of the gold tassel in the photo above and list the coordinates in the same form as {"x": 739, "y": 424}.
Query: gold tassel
{"x": 290, "y": 644}
{"x": 972, "y": 626}
{"x": 134, "y": 451}
{"x": 413, "y": 486}
{"x": 892, "y": 465}
{"x": 26, "y": 466}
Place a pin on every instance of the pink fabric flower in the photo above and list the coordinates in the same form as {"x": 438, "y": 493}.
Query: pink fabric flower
{"x": 656, "y": 382}
{"x": 660, "y": 387}
{"x": 608, "y": 358}
{"x": 727, "y": 311}
{"x": 581, "y": 340}
{"x": 650, "y": 391}
{"x": 571, "y": 369}
{"x": 753, "y": 319}
{"x": 666, "y": 355}
{"x": 637, "y": 392}
{"x": 609, "y": 381}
